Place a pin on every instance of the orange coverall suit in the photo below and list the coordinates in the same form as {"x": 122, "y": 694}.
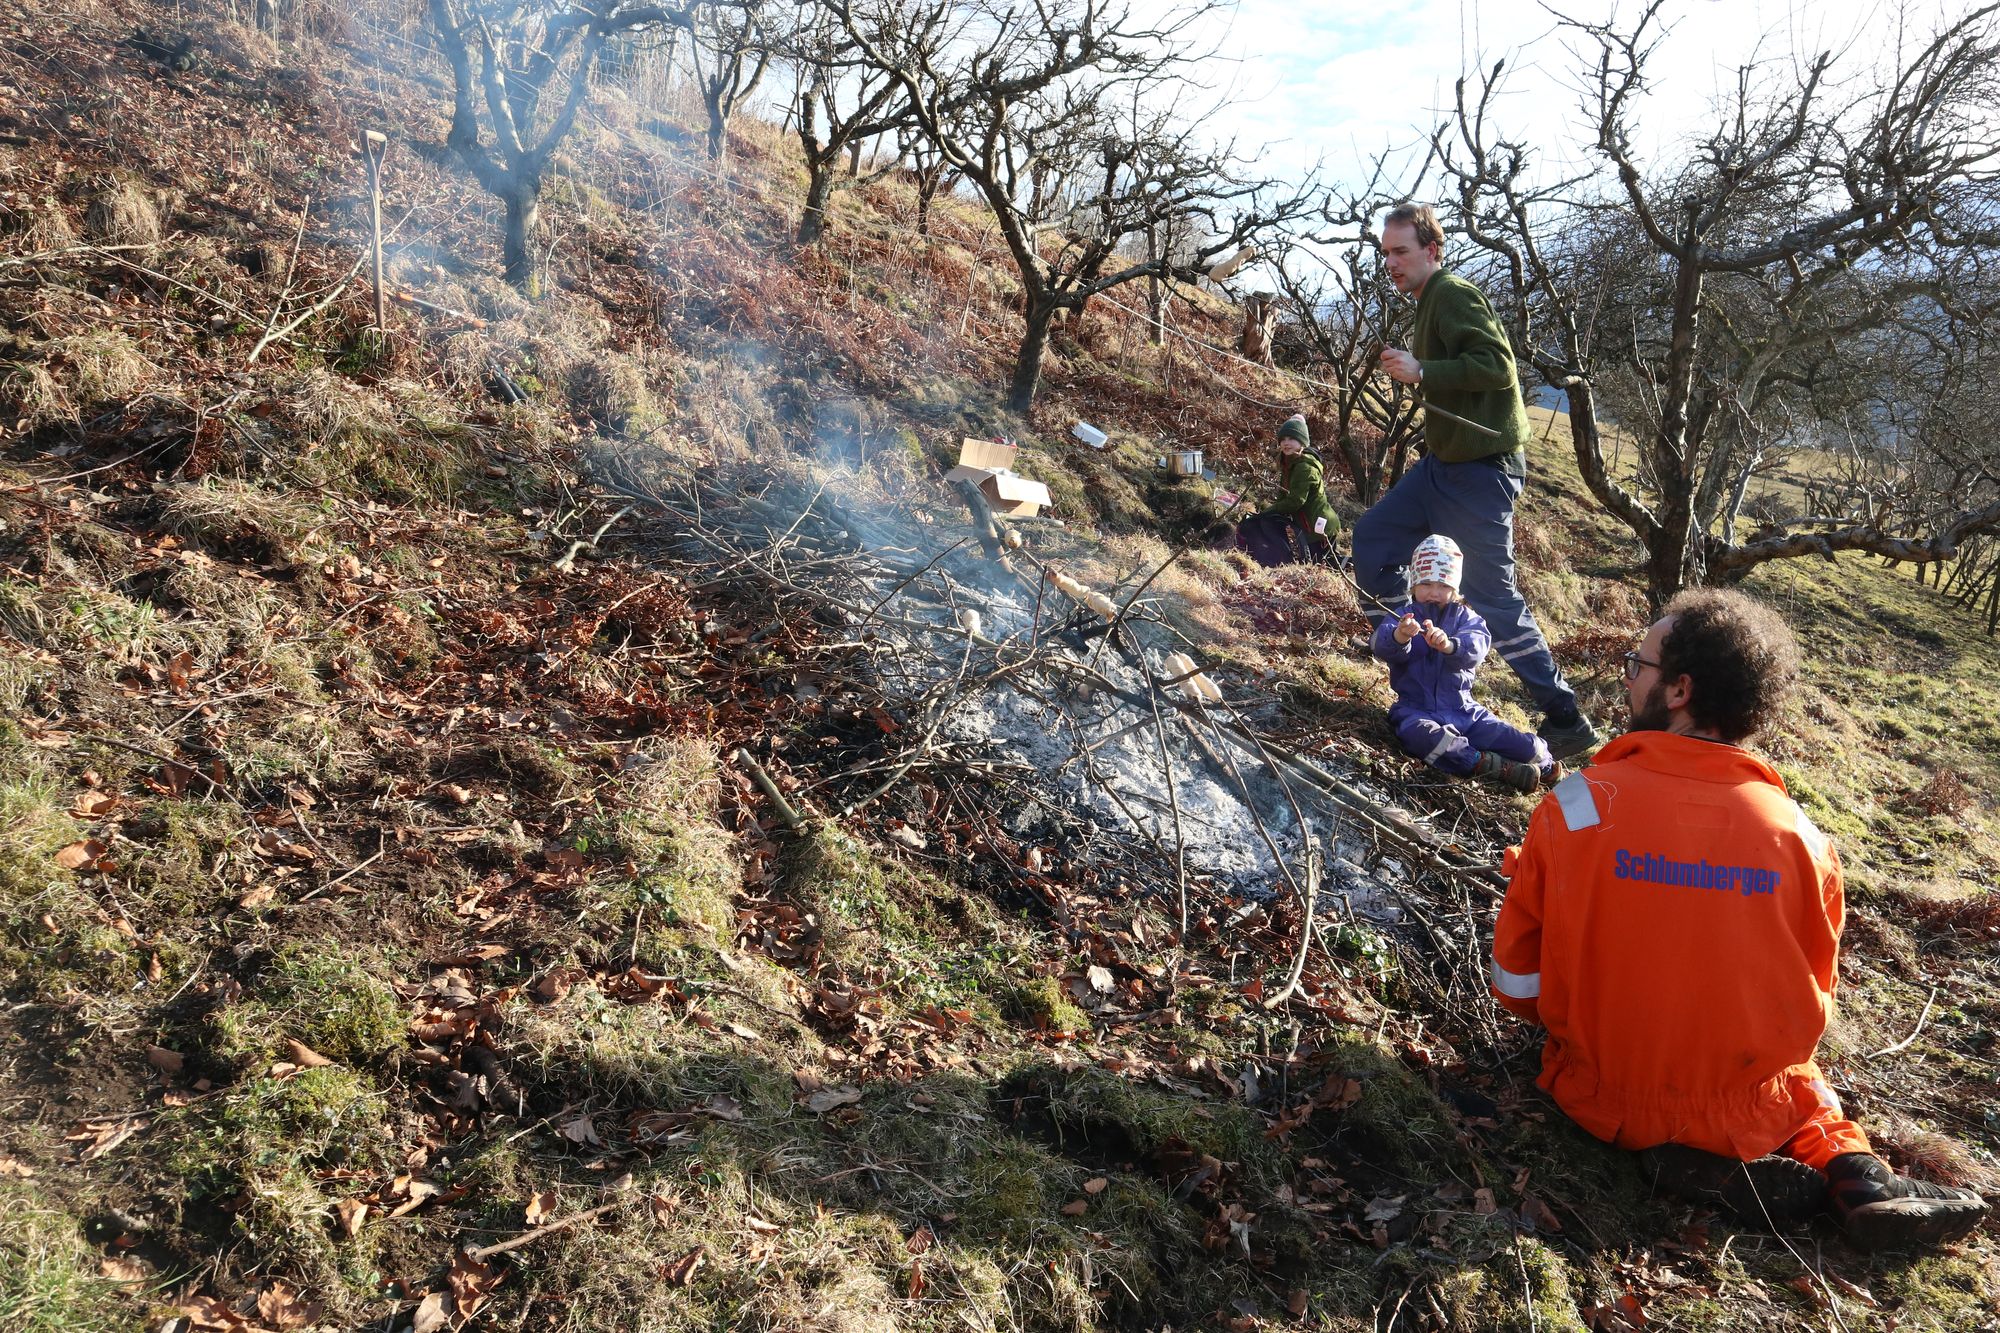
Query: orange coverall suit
{"x": 1672, "y": 918}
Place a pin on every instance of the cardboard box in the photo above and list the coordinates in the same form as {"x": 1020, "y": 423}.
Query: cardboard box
{"x": 990, "y": 467}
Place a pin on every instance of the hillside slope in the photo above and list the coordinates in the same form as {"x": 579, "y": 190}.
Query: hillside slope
{"x": 393, "y": 930}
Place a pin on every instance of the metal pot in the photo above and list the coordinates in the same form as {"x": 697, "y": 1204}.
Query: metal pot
{"x": 1184, "y": 462}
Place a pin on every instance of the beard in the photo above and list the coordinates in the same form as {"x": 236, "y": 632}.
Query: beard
{"x": 1652, "y": 713}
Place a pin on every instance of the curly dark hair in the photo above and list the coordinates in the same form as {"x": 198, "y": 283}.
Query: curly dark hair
{"x": 1739, "y": 657}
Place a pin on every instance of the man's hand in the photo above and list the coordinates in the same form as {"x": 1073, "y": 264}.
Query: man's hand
{"x": 1407, "y": 628}
{"x": 1401, "y": 366}
{"x": 1436, "y": 638}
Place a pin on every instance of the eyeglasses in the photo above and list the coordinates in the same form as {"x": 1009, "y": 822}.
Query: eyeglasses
{"x": 1634, "y": 663}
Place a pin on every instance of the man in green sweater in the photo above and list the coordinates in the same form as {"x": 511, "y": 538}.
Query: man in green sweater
{"x": 1467, "y": 482}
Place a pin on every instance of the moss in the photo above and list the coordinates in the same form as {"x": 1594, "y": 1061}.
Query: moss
{"x": 49, "y": 1277}
{"x": 178, "y": 845}
{"x": 1040, "y": 1003}
{"x": 313, "y": 992}
{"x": 1938, "y": 1291}
{"x": 1398, "y": 1123}
{"x": 272, "y": 1151}
{"x": 1525, "y": 1286}
{"x": 684, "y": 871}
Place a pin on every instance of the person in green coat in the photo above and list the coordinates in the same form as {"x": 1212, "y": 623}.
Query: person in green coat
{"x": 1300, "y": 519}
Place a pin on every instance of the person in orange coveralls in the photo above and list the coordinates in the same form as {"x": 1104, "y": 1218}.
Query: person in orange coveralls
{"x": 1673, "y": 919}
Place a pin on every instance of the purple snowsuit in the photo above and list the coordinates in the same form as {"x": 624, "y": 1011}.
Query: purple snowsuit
{"x": 1434, "y": 715}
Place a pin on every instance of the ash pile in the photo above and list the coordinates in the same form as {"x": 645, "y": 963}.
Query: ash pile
{"x": 977, "y": 702}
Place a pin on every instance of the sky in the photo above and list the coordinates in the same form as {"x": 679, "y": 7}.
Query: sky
{"x": 1338, "y": 82}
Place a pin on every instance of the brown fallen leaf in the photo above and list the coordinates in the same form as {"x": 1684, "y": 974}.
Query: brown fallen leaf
{"x": 1095, "y": 1185}
{"x": 80, "y": 855}
{"x": 1101, "y": 979}
{"x": 164, "y": 1060}
{"x": 421, "y": 1192}
{"x": 828, "y": 1098}
{"x": 1296, "y": 1302}
{"x": 433, "y": 1313}
{"x": 1538, "y": 1215}
{"x": 92, "y": 804}
{"x": 279, "y": 1307}
{"x": 916, "y": 1279}
{"x": 304, "y": 1056}
{"x": 15, "y": 1168}
{"x": 920, "y": 1240}
{"x": 581, "y": 1131}
{"x": 681, "y": 1271}
{"x": 540, "y": 1205}
{"x": 124, "y": 1270}
{"x": 94, "y": 1138}
{"x": 352, "y": 1212}
{"x": 257, "y": 897}
{"x": 206, "y": 1312}
{"x": 472, "y": 1282}
{"x": 1076, "y": 1208}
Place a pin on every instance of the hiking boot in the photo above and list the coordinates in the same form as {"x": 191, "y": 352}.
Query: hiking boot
{"x": 1569, "y": 737}
{"x": 1521, "y": 777}
{"x": 1880, "y": 1210}
{"x": 1774, "y": 1192}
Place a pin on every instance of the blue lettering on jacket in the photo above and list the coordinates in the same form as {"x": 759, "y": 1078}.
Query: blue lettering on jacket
{"x": 1650, "y": 868}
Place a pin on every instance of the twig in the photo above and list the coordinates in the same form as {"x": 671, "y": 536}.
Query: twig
{"x": 527, "y": 1237}
{"x": 291, "y": 276}
{"x": 786, "y": 811}
{"x": 311, "y": 312}
{"x": 1905, "y": 1042}
{"x": 381, "y": 846}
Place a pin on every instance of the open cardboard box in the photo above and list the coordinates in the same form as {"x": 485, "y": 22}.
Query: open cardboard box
{"x": 990, "y": 467}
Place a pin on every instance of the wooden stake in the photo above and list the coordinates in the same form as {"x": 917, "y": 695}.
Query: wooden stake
{"x": 374, "y": 147}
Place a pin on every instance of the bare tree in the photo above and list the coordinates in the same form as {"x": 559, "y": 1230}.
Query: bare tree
{"x": 1026, "y": 82}
{"x": 506, "y": 56}
{"x": 730, "y": 49}
{"x": 843, "y": 101}
{"x": 928, "y": 169}
{"x": 1727, "y": 289}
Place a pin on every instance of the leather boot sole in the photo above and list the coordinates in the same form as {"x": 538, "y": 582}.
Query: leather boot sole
{"x": 1908, "y": 1224}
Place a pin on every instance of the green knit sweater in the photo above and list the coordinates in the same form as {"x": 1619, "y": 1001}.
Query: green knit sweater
{"x": 1469, "y": 370}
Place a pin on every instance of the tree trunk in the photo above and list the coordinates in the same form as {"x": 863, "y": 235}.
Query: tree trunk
{"x": 1993, "y": 605}
{"x": 819, "y": 193}
{"x": 1028, "y": 362}
{"x": 928, "y": 181}
{"x": 1155, "y": 305}
{"x": 524, "y": 213}
{"x": 718, "y": 125}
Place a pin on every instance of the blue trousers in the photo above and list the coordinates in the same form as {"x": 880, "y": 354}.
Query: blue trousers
{"x": 1473, "y": 504}
{"x": 1451, "y": 742}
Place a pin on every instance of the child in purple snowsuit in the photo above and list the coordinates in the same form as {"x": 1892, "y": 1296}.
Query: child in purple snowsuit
{"x": 1433, "y": 648}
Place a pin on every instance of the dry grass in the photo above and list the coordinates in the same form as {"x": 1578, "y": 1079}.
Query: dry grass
{"x": 77, "y": 374}
{"x": 123, "y": 211}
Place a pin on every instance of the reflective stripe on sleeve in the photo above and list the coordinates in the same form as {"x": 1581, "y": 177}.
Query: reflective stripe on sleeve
{"x": 1579, "y": 807}
{"x": 1815, "y": 840}
{"x": 1516, "y": 985}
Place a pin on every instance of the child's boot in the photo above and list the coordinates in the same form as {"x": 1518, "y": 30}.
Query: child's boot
{"x": 1523, "y": 777}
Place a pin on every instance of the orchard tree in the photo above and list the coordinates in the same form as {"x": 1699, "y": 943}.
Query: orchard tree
{"x": 1024, "y": 103}
{"x": 1724, "y": 294}
{"x": 526, "y": 65}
